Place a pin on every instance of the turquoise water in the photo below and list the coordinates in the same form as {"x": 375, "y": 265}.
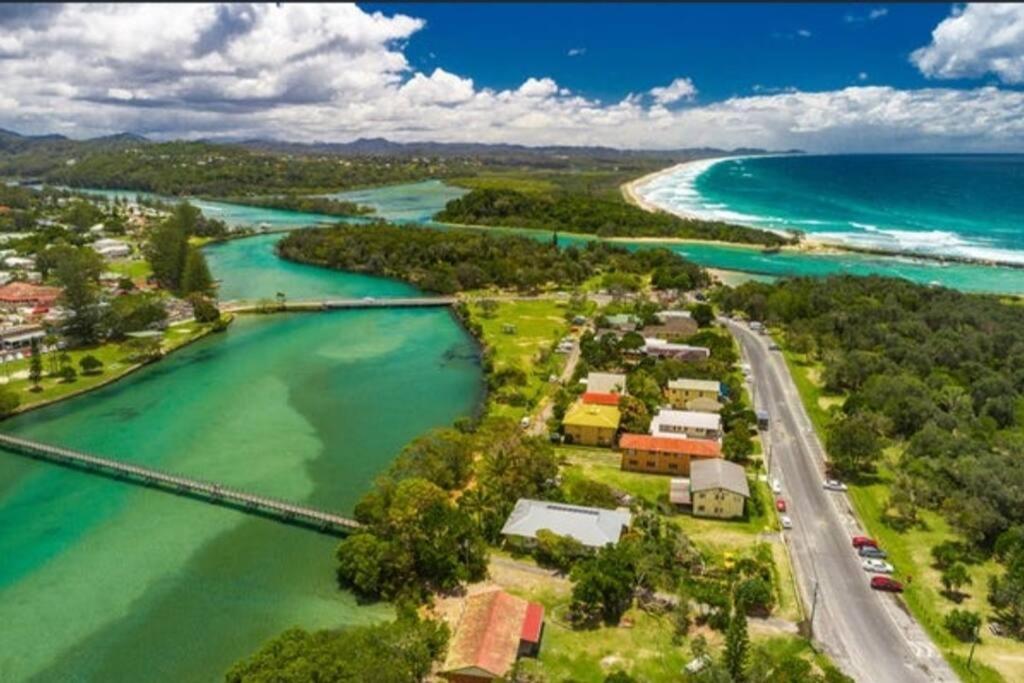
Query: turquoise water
{"x": 104, "y": 581}
{"x": 969, "y": 206}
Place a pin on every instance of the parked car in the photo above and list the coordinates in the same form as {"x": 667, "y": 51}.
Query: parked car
{"x": 873, "y": 551}
{"x": 776, "y": 486}
{"x": 834, "y": 485}
{"x": 773, "y": 347}
{"x": 786, "y": 522}
{"x": 877, "y": 566}
{"x": 884, "y": 583}
{"x": 861, "y": 541}
{"x": 780, "y": 505}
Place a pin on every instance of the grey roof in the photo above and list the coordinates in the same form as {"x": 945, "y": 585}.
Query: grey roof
{"x": 679, "y": 491}
{"x": 718, "y": 474}
{"x": 606, "y": 382}
{"x": 594, "y": 527}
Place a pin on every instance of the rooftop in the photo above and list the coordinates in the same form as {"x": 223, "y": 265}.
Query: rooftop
{"x": 606, "y": 383}
{"x": 695, "y": 384}
{"x": 589, "y": 415}
{"x": 489, "y": 632}
{"x": 719, "y": 474}
{"x": 698, "y": 448}
{"x": 685, "y": 419}
{"x": 594, "y": 527}
{"x": 596, "y": 398}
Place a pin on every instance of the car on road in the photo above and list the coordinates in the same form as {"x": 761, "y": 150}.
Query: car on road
{"x": 773, "y": 347}
{"x": 786, "y": 522}
{"x": 873, "y": 551}
{"x": 780, "y": 505}
{"x": 776, "y": 486}
{"x": 834, "y": 485}
{"x": 877, "y": 566}
{"x": 861, "y": 541}
{"x": 884, "y": 583}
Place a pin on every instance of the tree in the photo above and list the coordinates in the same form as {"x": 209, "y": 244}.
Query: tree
{"x": 737, "y": 642}
{"x": 955, "y": 577}
{"x": 853, "y": 444}
{"x": 67, "y": 374}
{"x": 635, "y": 419}
{"x": 755, "y": 595}
{"x": 602, "y": 586}
{"x": 703, "y": 314}
{"x": 737, "y": 445}
{"x": 1006, "y": 594}
{"x": 9, "y": 402}
{"x": 35, "y": 367}
{"x": 963, "y": 624}
{"x": 196, "y": 277}
{"x": 557, "y": 551}
{"x": 77, "y": 270}
{"x": 90, "y": 365}
{"x": 203, "y": 310}
{"x": 488, "y": 307}
{"x": 135, "y": 313}
{"x": 142, "y": 349}
{"x": 947, "y": 553}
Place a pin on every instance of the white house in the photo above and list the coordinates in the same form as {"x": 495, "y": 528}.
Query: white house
{"x": 683, "y": 424}
{"x": 664, "y": 349}
{"x": 593, "y": 527}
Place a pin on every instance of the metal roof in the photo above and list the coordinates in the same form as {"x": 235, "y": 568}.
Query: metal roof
{"x": 718, "y": 474}
{"x": 594, "y": 527}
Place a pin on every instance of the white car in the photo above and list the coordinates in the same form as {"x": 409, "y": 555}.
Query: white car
{"x": 834, "y": 485}
{"x": 877, "y": 566}
{"x": 776, "y": 486}
{"x": 786, "y": 522}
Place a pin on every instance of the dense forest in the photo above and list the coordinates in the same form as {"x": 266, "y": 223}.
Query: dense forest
{"x": 935, "y": 372}
{"x": 305, "y": 203}
{"x": 453, "y": 261}
{"x": 582, "y": 213}
{"x": 197, "y": 168}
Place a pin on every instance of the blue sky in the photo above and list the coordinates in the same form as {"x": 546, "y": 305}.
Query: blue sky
{"x": 837, "y": 77}
{"x": 726, "y": 50}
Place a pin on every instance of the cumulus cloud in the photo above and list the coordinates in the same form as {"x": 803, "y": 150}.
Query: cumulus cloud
{"x": 337, "y": 72}
{"x": 679, "y": 89}
{"x": 577, "y": 51}
{"x": 874, "y": 14}
{"x": 974, "y": 41}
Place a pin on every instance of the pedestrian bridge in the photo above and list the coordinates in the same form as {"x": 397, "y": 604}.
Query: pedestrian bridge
{"x": 209, "y": 492}
{"x": 279, "y": 305}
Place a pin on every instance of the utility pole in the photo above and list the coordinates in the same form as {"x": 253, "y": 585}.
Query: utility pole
{"x": 974, "y": 643}
{"x": 814, "y": 608}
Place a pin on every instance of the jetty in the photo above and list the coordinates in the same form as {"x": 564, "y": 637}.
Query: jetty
{"x": 209, "y": 492}
{"x": 279, "y": 305}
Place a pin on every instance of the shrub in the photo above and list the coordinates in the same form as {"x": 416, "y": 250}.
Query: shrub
{"x": 91, "y": 365}
{"x": 963, "y": 624}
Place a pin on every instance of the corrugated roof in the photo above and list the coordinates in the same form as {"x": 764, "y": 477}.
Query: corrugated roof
{"x": 584, "y": 415}
{"x": 488, "y": 634}
{"x": 606, "y": 383}
{"x": 699, "y": 448}
{"x": 679, "y": 491}
{"x": 594, "y": 527}
{"x": 718, "y": 474}
{"x": 597, "y": 398}
{"x": 533, "y": 623}
{"x": 684, "y": 383}
{"x": 685, "y": 418}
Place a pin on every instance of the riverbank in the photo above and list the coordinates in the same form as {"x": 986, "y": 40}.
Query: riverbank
{"x": 114, "y": 369}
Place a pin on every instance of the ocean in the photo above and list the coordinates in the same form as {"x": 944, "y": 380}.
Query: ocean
{"x": 966, "y": 206}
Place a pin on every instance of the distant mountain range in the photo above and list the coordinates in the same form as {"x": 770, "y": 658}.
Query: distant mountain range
{"x": 16, "y": 143}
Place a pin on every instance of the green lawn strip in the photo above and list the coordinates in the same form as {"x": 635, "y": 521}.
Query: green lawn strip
{"x": 910, "y": 553}
{"x": 112, "y": 356}
{"x": 537, "y": 324}
{"x": 131, "y": 268}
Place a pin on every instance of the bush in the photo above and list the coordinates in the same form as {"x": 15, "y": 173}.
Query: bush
{"x": 556, "y": 551}
{"x": 9, "y": 402}
{"x": 90, "y": 365}
{"x": 963, "y": 624}
{"x": 67, "y": 374}
{"x": 203, "y": 310}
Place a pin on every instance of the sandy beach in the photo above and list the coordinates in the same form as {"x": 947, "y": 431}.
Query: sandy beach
{"x": 633, "y": 196}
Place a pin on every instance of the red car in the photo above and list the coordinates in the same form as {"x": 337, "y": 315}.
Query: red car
{"x": 780, "y": 505}
{"x": 862, "y": 541}
{"x": 884, "y": 583}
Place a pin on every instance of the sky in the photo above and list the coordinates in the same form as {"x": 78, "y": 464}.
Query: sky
{"x": 822, "y": 77}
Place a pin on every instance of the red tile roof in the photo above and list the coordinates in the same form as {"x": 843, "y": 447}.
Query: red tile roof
{"x": 601, "y": 399}
{"x": 23, "y": 292}
{"x": 490, "y": 630}
{"x": 698, "y": 448}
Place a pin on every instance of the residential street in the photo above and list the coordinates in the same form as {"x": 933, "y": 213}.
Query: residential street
{"x": 869, "y": 634}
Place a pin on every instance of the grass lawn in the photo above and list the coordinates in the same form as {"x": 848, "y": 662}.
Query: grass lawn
{"x": 995, "y": 659}
{"x": 136, "y": 269}
{"x": 112, "y": 355}
{"x": 537, "y": 324}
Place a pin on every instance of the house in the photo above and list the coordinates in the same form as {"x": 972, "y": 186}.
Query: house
{"x": 716, "y": 488}
{"x": 606, "y": 383}
{"x": 17, "y": 294}
{"x": 660, "y": 348}
{"x": 664, "y": 455}
{"x": 113, "y": 252}
{"x": 622, "y": 322}
{"x": 598, "y": 399}
{"x": 591, "y": 425}
{"x": 682, "y": 391}
{"x": 593, "y": 527}
{"x": 5, "y": 277}
{"x": 493, "y": 631}
{"x": 681, "y": 424}
{"x": 20, "y": 262}
{"x": 14, "y": 338}
{"x": 672, "y": 324}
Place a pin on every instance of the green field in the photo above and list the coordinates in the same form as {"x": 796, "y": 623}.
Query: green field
{"x": 996, "y": 658}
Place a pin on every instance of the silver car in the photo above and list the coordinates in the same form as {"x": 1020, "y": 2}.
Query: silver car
{"x": 877, "y": 566}
{"x": 834, "y": 485}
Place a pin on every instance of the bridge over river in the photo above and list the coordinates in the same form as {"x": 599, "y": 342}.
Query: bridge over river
{"x": 277, "y": 305}
{"x": 209, "y": 492}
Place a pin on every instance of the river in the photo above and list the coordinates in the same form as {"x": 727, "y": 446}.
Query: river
{"x": 105, "y": 581}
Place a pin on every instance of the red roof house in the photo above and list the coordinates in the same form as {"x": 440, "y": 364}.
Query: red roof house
{"x": 26, "y": 294}
{"x": 665, "y": 454}
{"x": 494, "y": 631}
{"x": 601, "y": 399}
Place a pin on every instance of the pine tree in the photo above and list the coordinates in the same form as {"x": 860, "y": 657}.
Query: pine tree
{"x": 35, "y": 367}
{"x": 737, "y": 642}
{"x": 196, "y": 276}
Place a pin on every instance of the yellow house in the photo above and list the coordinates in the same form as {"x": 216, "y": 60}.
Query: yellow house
{"x": 718, "y": 488}
{"x": 681, "y": 391}
{"x": 591, "y": 425}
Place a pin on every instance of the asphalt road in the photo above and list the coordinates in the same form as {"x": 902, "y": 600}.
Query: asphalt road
{"x": 869, "y": 634}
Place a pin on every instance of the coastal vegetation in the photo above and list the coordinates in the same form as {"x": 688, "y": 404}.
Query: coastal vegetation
{"x": 326, "y": 206}
{"x": 917, "y": 393}
{"x": 455, "y": 261}
{"x": 179, "y": 266}
{"x": 578, "y": 212}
